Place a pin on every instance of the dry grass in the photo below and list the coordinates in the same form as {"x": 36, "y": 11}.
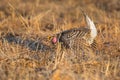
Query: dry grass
{"x": 42, "y": 18}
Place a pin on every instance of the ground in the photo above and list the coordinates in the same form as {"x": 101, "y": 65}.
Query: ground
{"x": 35, "y": 21}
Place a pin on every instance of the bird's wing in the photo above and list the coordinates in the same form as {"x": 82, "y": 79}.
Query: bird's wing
{"x": 74, "y": 33}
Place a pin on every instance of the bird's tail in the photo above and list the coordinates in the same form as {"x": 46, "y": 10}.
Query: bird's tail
{"x": 91, "y": 26}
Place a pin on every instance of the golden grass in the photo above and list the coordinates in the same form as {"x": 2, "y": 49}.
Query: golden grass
{"x": 42, "y": 18}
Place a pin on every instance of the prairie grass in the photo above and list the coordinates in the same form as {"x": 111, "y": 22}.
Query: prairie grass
{"x": 37, "y": 20}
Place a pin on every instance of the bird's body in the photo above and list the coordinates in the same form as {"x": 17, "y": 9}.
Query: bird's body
{"x": 69, "y": 36}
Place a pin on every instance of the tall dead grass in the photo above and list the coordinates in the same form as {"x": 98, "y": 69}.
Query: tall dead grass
{"x": 39, "y": 18}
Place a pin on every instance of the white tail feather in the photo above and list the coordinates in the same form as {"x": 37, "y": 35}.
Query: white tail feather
{"x": 92, "y": 27}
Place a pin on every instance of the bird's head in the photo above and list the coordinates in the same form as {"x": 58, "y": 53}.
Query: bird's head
{"x": 53, "y": 39}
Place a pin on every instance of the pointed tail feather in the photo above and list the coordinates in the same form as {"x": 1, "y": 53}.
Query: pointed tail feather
{"x": 91, "y": 26}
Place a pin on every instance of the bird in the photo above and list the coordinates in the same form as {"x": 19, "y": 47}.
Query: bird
{"x": 83, "y": 36}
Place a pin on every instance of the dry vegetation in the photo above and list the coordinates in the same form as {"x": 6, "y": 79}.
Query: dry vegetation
{"x": 36, "y": 20}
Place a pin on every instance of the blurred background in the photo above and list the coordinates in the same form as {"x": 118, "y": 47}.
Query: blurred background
{"x": 33, "y": 19}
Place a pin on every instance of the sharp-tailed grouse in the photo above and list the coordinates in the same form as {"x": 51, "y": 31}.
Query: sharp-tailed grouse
{"x": 82, "y": 35}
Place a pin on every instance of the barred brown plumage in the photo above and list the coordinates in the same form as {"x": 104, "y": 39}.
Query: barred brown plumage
{"x": 85, "y": 35}
{"x": 69, "y": 35}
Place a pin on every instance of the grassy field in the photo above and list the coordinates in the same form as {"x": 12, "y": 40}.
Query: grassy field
{"x": 37, "y": 20}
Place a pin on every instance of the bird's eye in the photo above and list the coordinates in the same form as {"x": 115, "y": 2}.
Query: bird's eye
{"x": 49, "y": 37}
